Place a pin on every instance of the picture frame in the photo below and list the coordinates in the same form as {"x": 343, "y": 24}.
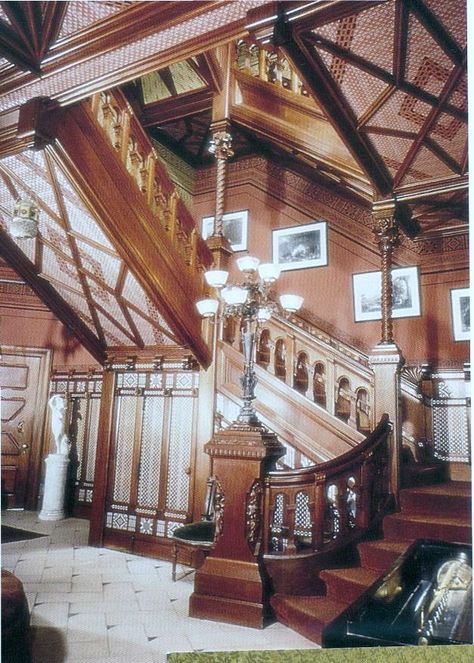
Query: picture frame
{"x": 300, "y": 247}
{"x": 367, "y": 290}
{"x": 461, "y": 313}
{"x": 235, "y": 228}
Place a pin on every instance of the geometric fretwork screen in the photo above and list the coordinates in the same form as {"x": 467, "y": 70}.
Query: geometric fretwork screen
{"x": 451, "y": 430}
{"x": 153, "y": 442}
{"x": 83, "y": 393}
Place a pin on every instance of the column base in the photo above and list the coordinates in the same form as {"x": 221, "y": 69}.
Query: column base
{"x": 230, "y": 591}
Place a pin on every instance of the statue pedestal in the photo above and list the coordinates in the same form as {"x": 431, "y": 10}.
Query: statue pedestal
{"x": 231, "y": 585}
{"x": 54, "y": 487}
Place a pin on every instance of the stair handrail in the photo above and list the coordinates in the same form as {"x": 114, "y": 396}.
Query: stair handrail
{"x": 326, "y": 506}
{"x": 121, "y": 126}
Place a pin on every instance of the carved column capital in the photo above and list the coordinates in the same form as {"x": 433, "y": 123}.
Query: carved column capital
{"x": 221, "y": 144}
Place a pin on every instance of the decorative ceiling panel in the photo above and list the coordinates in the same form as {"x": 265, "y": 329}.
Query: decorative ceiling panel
{"x": 401, "y": 112}
{"x": 150, "y": 335}
{"x": 427, "y": 65}
{"x": 101, "y": 263}
{"x": 368, "y": 41}
{"x": 81, "y": 14}
{"x": 451, "y": 135}
{"x": 360, "y": 89}
{"x": 58, "y": 268}
{"x": 77, "y": 259}
{"x": 454, "y": 20}
{"x": 428, "y": 164}
{"x": 392, "y": 152}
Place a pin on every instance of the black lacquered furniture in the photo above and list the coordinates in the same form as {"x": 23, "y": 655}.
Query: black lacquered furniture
{"x": 425, "y": 599}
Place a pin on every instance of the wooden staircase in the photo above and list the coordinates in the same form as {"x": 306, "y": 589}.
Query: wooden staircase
{"x": 441, "y": 511}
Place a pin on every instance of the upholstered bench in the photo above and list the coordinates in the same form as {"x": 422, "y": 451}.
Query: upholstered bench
{"x": 15, "y": 621}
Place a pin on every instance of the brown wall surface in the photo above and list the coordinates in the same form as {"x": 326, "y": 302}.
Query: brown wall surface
{"x": 351, "y": 249}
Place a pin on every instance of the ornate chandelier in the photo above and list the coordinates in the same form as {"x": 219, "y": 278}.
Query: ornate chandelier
{"x": 251, "y": 302}
{"x": 25, "y": 219}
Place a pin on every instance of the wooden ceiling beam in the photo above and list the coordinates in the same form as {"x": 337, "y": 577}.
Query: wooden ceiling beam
{"x": 15, "y": 257}
{"x": 442, "y": 155}
{"x": 383, "y": 75}
{"x": 137, "y": 21}
{"x": 437, "y": 30}
{"x": 312, "y": 71}
{"x": 175, "y": 108}
{"x": 400, "y": 40}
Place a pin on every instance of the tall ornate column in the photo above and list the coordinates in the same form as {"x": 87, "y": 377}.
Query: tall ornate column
{"x": 386, "y": 359}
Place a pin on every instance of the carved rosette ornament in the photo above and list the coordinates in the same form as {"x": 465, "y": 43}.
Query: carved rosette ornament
{"x": 253, "y": 511}
{"x": 386, "y": 232}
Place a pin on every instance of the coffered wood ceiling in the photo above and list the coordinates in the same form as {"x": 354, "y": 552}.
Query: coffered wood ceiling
{"x": 380, "y": 113}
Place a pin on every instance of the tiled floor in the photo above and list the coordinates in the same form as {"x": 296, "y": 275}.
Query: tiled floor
{"x": 93, "y": 605}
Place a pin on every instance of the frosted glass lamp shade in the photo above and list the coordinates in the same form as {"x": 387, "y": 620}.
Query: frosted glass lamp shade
{"x": 264, "y": 313}
{"x": 216, "y": 278}
{"x": 291, "y": 302}
{"x": 248, "y": 264}
{"x": 207, "y": 307}
{"x": 234, "y": 295}
{"x": 269, "y": 272}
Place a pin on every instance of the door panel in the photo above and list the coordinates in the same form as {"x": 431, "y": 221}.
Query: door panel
{"x": 23, "y": 379}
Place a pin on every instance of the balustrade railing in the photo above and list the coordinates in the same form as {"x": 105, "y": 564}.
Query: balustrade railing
{"x": 268, "y": 64}
{"x": 128, "y": 138}
{"x": 326, "y": 506}
{"x": 326, "y": 371}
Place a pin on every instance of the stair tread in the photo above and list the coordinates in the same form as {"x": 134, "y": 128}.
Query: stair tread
{"x": 458, "y": 521}
{"x": 450, "y": 488}
{"x": 398, "y": 546}
{"x": 321, "y": 608}
{"x": 358, "y": 575}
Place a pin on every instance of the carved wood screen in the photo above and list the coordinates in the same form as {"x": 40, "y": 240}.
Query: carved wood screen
{"x": 150, "y": 482}
{"x": 83, "y": 394}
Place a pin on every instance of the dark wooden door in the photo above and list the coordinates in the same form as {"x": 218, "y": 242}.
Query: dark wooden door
{"x": 24, "y": 375}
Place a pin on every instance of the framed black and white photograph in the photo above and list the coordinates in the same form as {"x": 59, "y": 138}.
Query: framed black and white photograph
{"x": 235, "y": 228}
{"x": 461, "y": 313}
{"x": 300, "y": 247}
{"x": 367, "y": 289}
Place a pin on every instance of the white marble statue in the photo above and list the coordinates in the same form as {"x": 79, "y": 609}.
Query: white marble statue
{"x": 58, "y": 424}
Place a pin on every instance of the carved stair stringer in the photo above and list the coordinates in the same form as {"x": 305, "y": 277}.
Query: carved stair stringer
{"x": 80, "y": 146}
{"x": 302, "y": 424}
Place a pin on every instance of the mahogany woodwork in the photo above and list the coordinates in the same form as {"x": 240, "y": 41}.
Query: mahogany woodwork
{"x": 324, "y": 506}
{"x": 231, "y": 585}
{"x": 24, "y": 384}
{"x": 86, "y": 156}
{"x": 13, "y": 255}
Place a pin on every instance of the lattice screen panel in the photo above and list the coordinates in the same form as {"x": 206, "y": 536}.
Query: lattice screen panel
{"x": 152, "y": 450}
{"x": 83, "y": 394}
{"x": 450, "y": 430}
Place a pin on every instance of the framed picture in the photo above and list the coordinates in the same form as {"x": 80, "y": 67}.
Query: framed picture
{"x": 461, "y": 312}
{"x": 367, "y": 289}
{"x": 300, "y": 247}
{"x": 235, "y": 228}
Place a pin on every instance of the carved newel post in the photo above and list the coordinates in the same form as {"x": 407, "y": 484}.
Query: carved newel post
{"x": 56, "y": 463}
{"x": 385, "y": 359}
{"x": 231, "y": 584}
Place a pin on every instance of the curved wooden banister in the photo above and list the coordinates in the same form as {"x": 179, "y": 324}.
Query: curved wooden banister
{"x": 325, "y": 506}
